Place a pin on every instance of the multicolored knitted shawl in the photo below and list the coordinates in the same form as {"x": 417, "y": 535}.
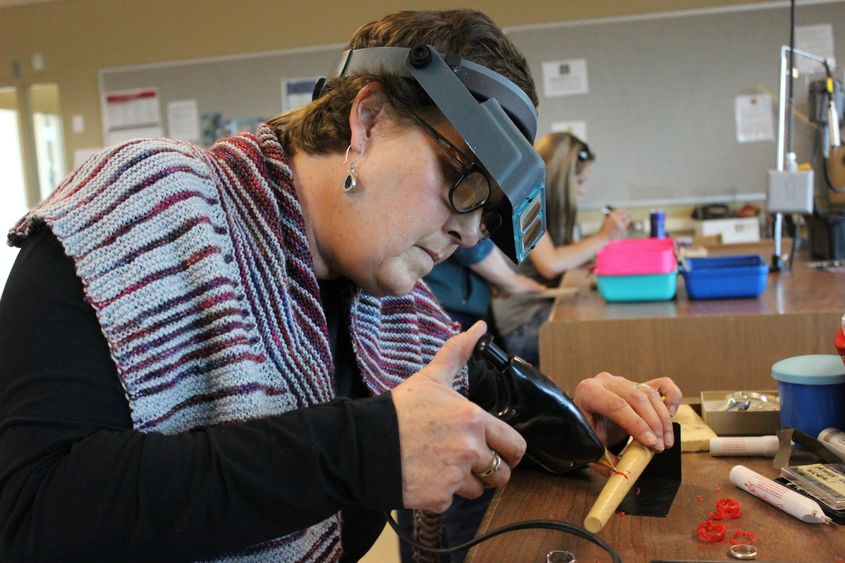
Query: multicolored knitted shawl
{"x": 198, "y": 267}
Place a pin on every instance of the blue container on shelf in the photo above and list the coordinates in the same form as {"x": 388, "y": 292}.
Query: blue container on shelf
{"x": 643, "y": 287}
{"x": 812, "y": 392}
{"x": 725, "y": 278}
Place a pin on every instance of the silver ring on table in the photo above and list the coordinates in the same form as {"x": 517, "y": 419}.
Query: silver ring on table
{"x": 560, "y": 556}
{"x": 493, "y": 468}
{"x": 743, "y": 551}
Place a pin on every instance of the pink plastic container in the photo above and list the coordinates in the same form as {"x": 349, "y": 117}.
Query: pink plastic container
{"x": 633, "y": 257}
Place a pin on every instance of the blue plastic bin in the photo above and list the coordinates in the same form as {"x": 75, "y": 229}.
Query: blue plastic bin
{"x": 725, "y": 278}
{"x": 812, "y": 392}
{"x": 646, "y": 287}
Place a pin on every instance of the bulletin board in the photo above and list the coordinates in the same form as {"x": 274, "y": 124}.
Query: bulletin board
{"x": 659, "y": 110}
{"x": 240, "y": 90}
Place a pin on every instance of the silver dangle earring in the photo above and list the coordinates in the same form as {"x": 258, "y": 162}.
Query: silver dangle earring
{"x": 351, "y": 181}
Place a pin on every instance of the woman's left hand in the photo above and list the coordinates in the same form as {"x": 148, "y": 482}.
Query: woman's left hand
{"x": 616, "y": 406}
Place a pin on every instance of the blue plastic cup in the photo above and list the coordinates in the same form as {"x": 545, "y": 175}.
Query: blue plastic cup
{"x": 812, "y": 392}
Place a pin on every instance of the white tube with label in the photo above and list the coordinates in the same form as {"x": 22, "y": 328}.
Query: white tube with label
{"x": 766, "y": 446}
{"x": 777, "y": 495}
{"x": 834, "y": 440}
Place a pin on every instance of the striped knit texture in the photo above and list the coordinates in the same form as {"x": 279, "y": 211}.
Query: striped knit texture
{"x": 197, "y": 265}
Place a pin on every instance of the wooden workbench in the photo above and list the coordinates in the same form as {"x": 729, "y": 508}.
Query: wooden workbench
{"x": 533, "y": 495}
{"x": 702, "y": 345}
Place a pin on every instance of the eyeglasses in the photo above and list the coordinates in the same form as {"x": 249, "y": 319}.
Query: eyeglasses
{"x": 583, "y": 158}
{"x": 471, "y": 188}
{"x": 584, "y": 153}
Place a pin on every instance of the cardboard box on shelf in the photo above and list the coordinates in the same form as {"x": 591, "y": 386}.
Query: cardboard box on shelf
{"x": 730, "y": 231}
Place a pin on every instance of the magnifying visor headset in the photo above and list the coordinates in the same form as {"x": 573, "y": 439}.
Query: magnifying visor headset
{"x": 496, "y": 120}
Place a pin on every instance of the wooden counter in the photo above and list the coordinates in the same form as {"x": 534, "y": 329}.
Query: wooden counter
{"x": 703, "y": 344}
{"x": 532, "y": 495}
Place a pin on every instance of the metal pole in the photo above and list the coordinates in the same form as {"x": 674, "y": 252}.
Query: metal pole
{"x": 777, "y": 259}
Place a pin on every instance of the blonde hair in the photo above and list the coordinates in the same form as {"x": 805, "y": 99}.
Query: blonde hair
{"x": 565, "y": 156}
{"x": 323, "y": 125}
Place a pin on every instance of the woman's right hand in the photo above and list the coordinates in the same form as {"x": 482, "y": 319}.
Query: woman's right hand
{"x": 616, "y": 224}
{"x": 445, "y": 439}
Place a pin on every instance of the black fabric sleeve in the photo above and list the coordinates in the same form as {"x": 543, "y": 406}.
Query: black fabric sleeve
{"x": 77, "y": 483}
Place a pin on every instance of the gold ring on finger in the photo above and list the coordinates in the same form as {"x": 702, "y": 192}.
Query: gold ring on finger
{"x": 495, "y": 465}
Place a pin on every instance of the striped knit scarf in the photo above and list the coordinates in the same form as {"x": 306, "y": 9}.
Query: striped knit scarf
{"x": 197, "y": 265}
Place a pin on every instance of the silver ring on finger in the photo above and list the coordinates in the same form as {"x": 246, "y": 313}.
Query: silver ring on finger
{"x": 644, "y": 387}
{"x": 493, "y": 468}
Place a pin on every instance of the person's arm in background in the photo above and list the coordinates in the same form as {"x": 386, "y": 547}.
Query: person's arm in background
{"x": 551, "y": 261}
{"x": 486, "y": 260}
{"x": 496, "y": 270}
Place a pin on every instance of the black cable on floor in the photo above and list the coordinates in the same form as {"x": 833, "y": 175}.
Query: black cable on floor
{"x": 558, "y": 525}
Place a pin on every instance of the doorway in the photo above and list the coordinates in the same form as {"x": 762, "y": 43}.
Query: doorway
{"x": 12, "y": 188}
{"x": 32, "y": 155}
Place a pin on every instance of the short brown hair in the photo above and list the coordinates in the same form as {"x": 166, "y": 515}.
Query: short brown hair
{"x": 323, "y": 126}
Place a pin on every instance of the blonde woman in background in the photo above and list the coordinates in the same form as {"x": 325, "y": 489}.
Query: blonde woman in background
{"x": 569, "y": 163}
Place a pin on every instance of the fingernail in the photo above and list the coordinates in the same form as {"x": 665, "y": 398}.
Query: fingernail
{"x": 672, "y": 410}
{"x": 649, "y": 439}
{"x": 669, "y": 439}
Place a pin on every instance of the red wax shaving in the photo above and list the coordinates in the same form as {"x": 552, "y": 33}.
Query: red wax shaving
{"x": 621, "y": 514}
{"x": 637, "y": 491}
{"x": 711, "y": 532}
{"x": 699, "y": 498}
{"x": 718, "y": 490}
{"x": 727, "y": 509}
{"x": 622, "y": 473}
{"x": 741, "y": 537}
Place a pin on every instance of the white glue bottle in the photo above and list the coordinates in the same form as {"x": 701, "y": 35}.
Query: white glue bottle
{"x": 766, "y": 446}
{"x": 795, "y": 504}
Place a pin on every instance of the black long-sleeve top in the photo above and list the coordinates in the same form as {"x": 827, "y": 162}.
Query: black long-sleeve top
{"x": 78, "y": 483}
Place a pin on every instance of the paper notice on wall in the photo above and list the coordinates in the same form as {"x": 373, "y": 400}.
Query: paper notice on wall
{"x": 754, "y": 118}
{"x": 817, "y": 40}
{"x": 577, "y": 128}
{"x": 565, "y": 78}
{"x": 297, "y": 92}
{"x": 183, "y": 120}
{"x": 131, "y": 114}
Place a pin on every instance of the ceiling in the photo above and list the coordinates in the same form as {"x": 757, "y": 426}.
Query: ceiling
{"x": 10, "y": 3}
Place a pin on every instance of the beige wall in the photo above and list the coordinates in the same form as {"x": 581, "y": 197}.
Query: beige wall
{"x": 78, "y": 37}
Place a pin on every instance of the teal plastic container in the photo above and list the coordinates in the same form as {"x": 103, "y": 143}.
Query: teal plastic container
{"x": 647, "y": 287}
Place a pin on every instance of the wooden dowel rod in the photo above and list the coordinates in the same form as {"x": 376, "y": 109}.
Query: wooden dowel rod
{"x": 633, "y": 461}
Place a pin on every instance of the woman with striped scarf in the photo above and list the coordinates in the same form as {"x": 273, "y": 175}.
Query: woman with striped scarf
{"x": 228, "y": 354}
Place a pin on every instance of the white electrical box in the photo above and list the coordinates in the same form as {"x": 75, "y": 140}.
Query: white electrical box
{"x": 790, "y": 192}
